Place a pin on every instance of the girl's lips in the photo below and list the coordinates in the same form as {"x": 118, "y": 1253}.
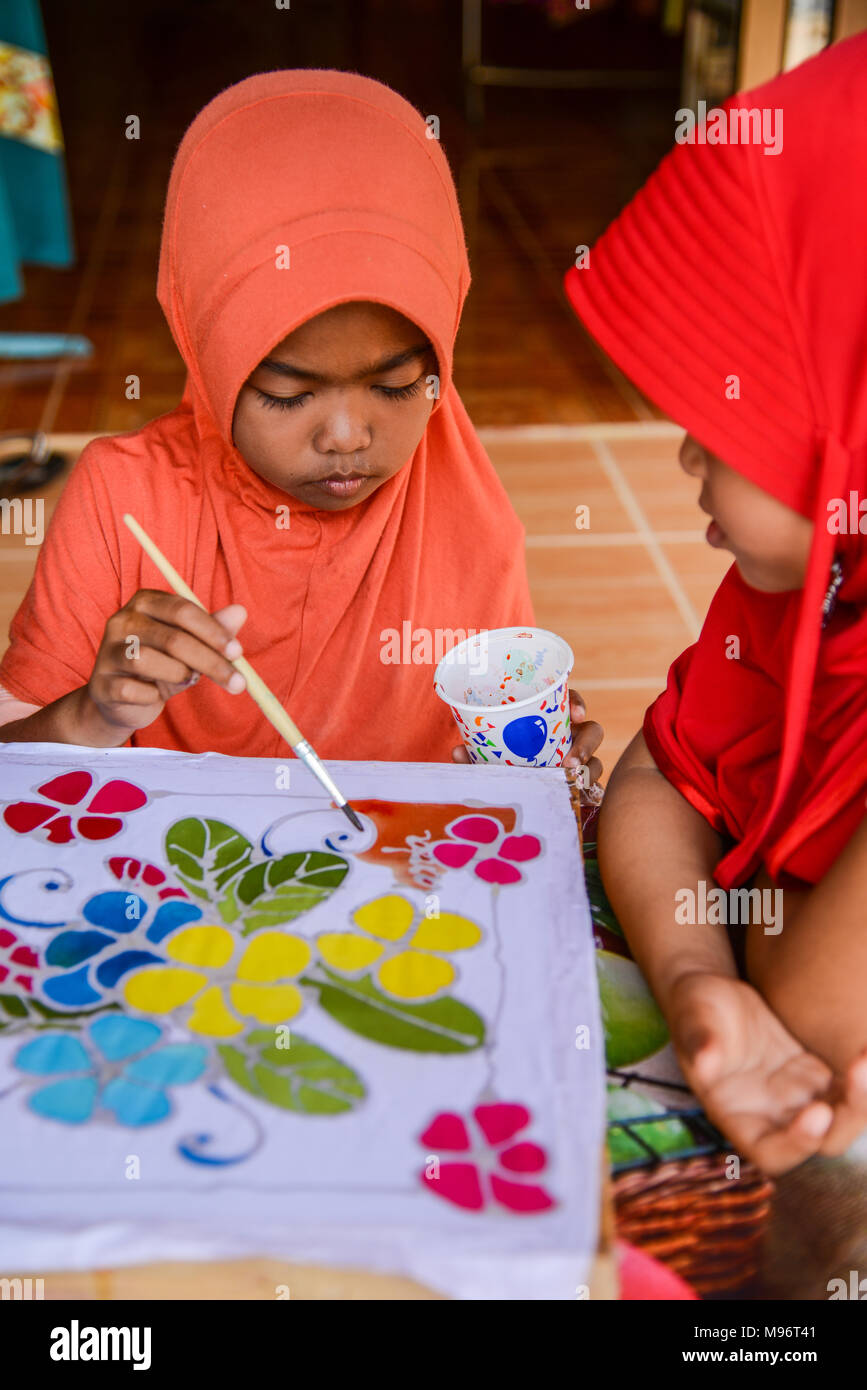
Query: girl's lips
{"x": 715, "y": 535}
{"x": 340, "y": 487}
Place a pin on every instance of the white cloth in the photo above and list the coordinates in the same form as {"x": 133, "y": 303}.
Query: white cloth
{"x": 342, "y": 1189}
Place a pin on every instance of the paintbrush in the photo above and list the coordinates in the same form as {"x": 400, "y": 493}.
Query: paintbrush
{"x": 256, "y": 687}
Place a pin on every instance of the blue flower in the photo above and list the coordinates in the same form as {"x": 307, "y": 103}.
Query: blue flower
{"x": 107, "y": 946}
{"x": 135, "y": 1092}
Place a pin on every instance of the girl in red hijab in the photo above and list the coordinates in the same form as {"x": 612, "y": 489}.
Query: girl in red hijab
{"x": 320, "y": 486}
{"x": 733, "y": 291}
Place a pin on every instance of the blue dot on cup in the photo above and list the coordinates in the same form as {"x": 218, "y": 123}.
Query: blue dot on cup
{"x": 525, "y": 737}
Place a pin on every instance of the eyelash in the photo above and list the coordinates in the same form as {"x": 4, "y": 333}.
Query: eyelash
{"x": 391, "y": 393}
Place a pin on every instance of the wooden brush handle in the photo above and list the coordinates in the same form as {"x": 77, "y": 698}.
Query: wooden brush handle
{"x": 256, "y": 687}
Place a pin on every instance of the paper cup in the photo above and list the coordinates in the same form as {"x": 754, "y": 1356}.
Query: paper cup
{"x": 508, "y": 690}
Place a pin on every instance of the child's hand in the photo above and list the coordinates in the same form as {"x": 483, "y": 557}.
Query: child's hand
{"x": 155, "y": 646}
{"x": 586, "y": 738}
{"x": 776, "y": 1102}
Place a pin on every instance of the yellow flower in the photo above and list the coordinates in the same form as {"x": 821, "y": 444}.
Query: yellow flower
{"x": 255, "y": 987}
{"x": 408, "y": 970}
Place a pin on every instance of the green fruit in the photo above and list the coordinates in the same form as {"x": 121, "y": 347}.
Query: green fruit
{"x": 664, "y": 1137}
{"x": 634, "y": 1026}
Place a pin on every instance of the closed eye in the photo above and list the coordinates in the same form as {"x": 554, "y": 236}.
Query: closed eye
{"x": 281, "y": 402}
{"x": 401, "y": 393}
{"x": 392, "y": 393}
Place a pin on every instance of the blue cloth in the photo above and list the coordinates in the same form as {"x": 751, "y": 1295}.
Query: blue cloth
{"x": 35, "y": 225}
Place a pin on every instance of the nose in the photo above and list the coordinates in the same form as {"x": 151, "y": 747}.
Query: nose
{"x": 692, "y": 457}
{"x": 343, "y": 430}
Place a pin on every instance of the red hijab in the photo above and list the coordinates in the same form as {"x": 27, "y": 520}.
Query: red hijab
{"x": 339, "y": 169}
{"x": 735, "y": 262}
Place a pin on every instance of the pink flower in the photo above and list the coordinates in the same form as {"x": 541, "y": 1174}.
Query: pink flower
{"x": 471, "y": 1181}
{"x": 53, "y": 819}
{"x": 482, "y": 841}
{"x": 16, "y": 960}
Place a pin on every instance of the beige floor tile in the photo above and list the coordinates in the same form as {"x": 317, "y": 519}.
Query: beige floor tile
{"x": 613, "y": 609}
{"x": 547, "y": 482}
{"x": 621, "y": 714}
{"x": 700, "y": 570}
{"x": 667, "y": 496}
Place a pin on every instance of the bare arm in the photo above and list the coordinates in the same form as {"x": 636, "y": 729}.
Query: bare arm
{"x": 150, "y": 650}
{"x": 652, "y": 844}
{"x": 74, "y": 718}
{"x": 814, "y": 973}
{"x": 775, "y": 1099}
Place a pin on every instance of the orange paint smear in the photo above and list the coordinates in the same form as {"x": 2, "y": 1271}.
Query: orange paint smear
{"x": 397, "y": 821}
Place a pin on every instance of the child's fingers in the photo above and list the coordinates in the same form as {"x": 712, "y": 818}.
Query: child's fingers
{"x": 178, "y": 612}
{"x": 180, "y": 645}
{"x": 460, "y": 754}
{"x": 126, "y": 690}
{"x": 778, "y": 1150}
{"x": 577, "y": 707}
{"x": 850, "y": 1116}
{"x": 856, "y": 1079}
{"x": 232, "y": 618}
{"x": 586, "y": 738}
{"x": 153, "y": 665}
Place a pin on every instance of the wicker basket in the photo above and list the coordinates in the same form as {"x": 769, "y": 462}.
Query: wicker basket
{"x": 705, "y": 1226}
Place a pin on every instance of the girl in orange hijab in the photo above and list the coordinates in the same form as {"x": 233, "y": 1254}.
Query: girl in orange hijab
{"x": 733, "y": 290}
{"x": 319, "y": 486}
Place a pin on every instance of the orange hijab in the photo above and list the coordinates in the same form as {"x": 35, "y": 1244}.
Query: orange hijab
{"x": 339, "y": 169}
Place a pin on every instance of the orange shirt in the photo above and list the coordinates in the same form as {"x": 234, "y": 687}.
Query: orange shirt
{"x": 340, "y": 170}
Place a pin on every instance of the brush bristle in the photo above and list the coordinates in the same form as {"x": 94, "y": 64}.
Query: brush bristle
{"x": 348, "y": 811}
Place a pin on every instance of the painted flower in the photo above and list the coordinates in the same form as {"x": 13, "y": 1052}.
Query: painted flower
{"x": 16, "y": 961}
{"x": 492, "y": 1166}
{"x": 408, "y": 966}
{"x": 122, "y": 929}
{"x": 147, "y": 879}
{"x": 72, "y": 809}
{"x": 115, "y": 1065}
{"x": 224, "y": 979}
{"x": 482, "y": 842}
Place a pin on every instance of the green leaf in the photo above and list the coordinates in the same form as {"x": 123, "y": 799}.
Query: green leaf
{"x": 13, "y": 1008}
{"x": 206, "y": 854}
{"x": 279, "y": 890}
{"x": 442, "y": 1025}
{"x": 303, "y": 1077}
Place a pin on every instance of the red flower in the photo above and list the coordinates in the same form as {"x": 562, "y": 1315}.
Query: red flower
{"x": 142, "y": 875}
{"x": 99, "y": 820}
{"x": 470, "y": 1182}
{"x": 475, "y": 838}
{"x": 14, "y": 956}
